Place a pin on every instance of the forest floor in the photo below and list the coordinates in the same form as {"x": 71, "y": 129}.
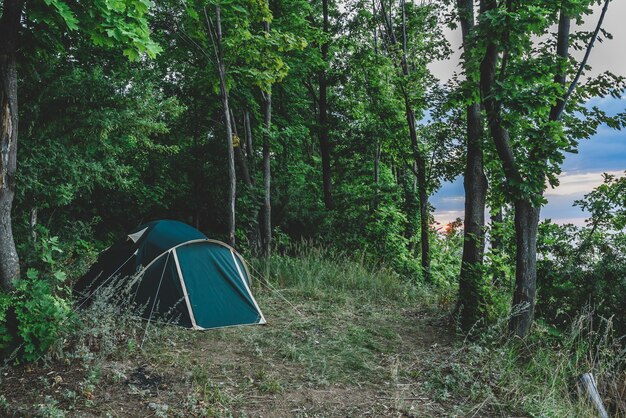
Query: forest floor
{"x": 318, "y": 356}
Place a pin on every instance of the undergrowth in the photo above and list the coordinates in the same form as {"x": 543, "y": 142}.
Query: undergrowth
{"x": 539, "y": 375}
{"x": 333, "y": 321}
{"x": 322, "y": 272}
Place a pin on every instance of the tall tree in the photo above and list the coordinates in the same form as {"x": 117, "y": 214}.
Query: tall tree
{"x": 10, "y": 24}
{"x": 323, "y": 127}
{"x": 217, "y": 38}
{"x": 475, "y": 183}
{"x": 266, "y": 212}
{"x": 121, "y": 24}
{"x": 418, "y": 153}
{"x": 529, "y": 147}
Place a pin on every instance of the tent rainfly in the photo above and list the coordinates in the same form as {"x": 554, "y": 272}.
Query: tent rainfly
{"x": 177, "y": 274}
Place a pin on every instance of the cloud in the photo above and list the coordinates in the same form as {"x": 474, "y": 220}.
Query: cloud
{"x": 578, "y": 184}
{"x": 605, "y": 152}
{"x": 603, "y": 56}
{"x": 447, "y": 216}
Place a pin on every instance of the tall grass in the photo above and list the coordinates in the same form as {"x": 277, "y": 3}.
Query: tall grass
{"x": 316, "y": 271}
{"x": 540, "y": 375}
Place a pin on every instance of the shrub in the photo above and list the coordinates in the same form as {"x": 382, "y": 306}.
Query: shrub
{"x": 34, "y": 315}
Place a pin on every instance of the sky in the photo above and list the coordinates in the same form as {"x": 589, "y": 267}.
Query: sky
{"x": 604, "y": 152}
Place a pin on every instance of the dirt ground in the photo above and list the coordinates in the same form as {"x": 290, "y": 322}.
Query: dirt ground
{"x": 309, "y": 361}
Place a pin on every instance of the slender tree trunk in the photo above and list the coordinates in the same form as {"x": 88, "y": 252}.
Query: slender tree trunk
{"x": 33, "y": 225}
{"x": 248, "y": 130}
{"x": 376, "y": 173}
{"x": 239, "y": 153}
{"x": 9, "y": 27}
{"x": 254, "y": 234}
{"x": 497, "y": 245}
{"x": 377, "y": 164}
{"x": 424, "y": 217}
{"x": 415, "y": 177}
{"x": 266, "y": 224}
{"x": 232, "y": 179}
{"x": 475, "y": 184}
{"x": 422, "y": 189}
{"x": 527, "y": 215}
{"x": 417, "y": 155}
{"x": 323, "y": 130}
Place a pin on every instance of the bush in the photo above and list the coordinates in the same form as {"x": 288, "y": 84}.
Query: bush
{"x": 34, "y": 315}
{"x": 578, "y": 268}
{"x": 41, "y": 315}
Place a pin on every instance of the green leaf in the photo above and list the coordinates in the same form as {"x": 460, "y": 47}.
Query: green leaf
{"x": 60, "y": 276}
{"x": 32, "y": 274}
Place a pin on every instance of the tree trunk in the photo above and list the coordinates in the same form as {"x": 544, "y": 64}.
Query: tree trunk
{"x": 254, "y": 233}
{"x": 497, "y": 245}
{"x": 323, "y": 129}
{"x": 417, "y": 155}
{"x": 232, "y": 179}
{"x": 239, "y": 153}
{"x": 424, "y": 217}
{"x": 248, "y": 130}
{"x": 9, "y": 26}
{"x": 526, "y": 227}
{"x": 475, "y": 184}
{"x": 266, "y": 212}
{"x": 527, "y": 216}
{"x": 33, "y": 225}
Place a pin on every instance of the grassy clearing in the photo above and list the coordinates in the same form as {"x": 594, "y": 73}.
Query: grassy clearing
{"x": 342, "y": 340}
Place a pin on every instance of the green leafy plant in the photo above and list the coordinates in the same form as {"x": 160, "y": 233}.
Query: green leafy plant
{"x": 39, "y": 305}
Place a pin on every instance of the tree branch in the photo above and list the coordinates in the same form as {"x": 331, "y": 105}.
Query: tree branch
{"x": 581, "y": 68}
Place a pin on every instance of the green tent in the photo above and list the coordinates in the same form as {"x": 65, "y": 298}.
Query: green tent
{"x": 174, "y": 273}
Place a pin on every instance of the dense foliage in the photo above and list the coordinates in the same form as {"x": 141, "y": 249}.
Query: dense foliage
{"x": 334, "y": 103}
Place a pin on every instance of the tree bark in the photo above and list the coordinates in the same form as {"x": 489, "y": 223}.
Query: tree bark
{"x": 266, "y": 212}
{"x": 232, "y": 179}
{"x": 526, "y": 227}
{"x": 9, "y": 27}
{"x": 245, "y": 159}
{"x": 377, "y": 164}
{"x": 527, "y": 215}
{"x": 497, "y": 245}
{"x": 424, "y": 216}
{"x": 323, "y": 129}
{"x": 239, "y": 153}
{"x": 248, "y": 130}
{"x": 475, "y": 184}
{"x": 377, "y": 152}
{"x": 33, "y": 225}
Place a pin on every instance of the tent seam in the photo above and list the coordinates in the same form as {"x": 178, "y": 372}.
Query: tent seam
{"x": 256, "y": 305}
{"x": 185, "y": 294}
